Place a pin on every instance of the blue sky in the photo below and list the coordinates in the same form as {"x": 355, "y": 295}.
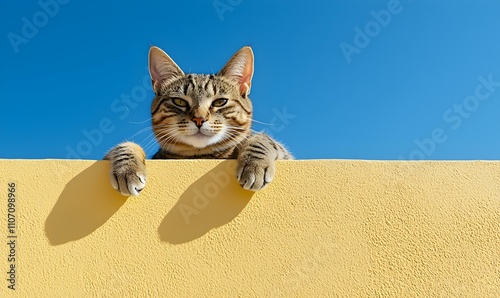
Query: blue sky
{"x": 334, "y": 79}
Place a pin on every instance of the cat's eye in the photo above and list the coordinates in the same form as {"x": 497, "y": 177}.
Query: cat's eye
{"x": 179, "y": 102}
{"x": 219, "y": 102}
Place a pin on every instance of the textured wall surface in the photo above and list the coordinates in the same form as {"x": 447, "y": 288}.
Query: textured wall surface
{"x": 322, "y": 228}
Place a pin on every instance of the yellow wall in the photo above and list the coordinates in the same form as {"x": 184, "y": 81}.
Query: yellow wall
{"x": 322, "y": 228}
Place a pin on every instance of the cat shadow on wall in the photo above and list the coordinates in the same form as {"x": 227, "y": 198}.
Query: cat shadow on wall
{"x": 85, "y": 204}
{"x": 212, "y": 201}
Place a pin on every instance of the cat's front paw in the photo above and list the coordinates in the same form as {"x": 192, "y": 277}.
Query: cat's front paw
{"x": 128, "y": 168}
{"x": 128, "y": 180}
{"x": 254, "y": 174}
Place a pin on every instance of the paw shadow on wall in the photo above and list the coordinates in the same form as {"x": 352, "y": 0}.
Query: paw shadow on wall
{"x": 212, "y": 201}
{"x": 85, "y": 204}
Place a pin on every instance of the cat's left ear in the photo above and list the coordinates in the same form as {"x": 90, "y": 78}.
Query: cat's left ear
{"x": 240, "y": 69}
{"x": 161, "y": 68}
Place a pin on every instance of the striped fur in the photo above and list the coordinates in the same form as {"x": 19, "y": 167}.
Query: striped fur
{"x": 200, "y": 116}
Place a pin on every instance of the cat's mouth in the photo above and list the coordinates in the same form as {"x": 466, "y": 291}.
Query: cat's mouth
{"x": 200, "y": 140}
{"x": 199, "y": 134}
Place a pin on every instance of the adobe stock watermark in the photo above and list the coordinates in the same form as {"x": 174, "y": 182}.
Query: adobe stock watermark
{"x": 281, "y": 119}
{"x": 363, "y": 36}
{"x": 454, "y": 118}
{"x": 31, "y": 26}
{"x": 223, "y": 6}
{"x": 121, "y": 107}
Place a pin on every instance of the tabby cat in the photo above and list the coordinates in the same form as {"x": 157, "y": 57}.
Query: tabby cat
{"x": 200, "y": 116}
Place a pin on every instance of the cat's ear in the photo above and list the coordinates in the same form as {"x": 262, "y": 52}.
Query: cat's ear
{"x": 161, "y": 68}
{"x": 240, "y": 69}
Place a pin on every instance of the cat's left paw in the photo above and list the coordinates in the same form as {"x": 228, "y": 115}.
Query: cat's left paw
{"x": 254, "y": 174}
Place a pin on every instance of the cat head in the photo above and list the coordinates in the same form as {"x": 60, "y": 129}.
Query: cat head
{"x": 193, "y": 111}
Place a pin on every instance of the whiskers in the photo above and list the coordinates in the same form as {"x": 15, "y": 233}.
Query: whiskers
{"x": 271, "y": 126}
{"x": 168, "y": 137}
{"x": 234, "y": 136}
{"x": 141, "y": 122}
{"x": 263, "y": 123}
{"x": 163, "y": 135}
{"x": 149, "y": 141}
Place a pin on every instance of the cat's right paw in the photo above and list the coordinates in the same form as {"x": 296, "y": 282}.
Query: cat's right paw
{"x": 254, "y": 174}
{"x": 128, "y": 181}
{"x": 128, "y": 168}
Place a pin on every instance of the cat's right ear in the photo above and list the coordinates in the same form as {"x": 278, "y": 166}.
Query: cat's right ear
{"x": 161, "y": 68}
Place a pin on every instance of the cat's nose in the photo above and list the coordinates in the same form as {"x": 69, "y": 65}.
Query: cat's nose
{"x": 199, "y": 121}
